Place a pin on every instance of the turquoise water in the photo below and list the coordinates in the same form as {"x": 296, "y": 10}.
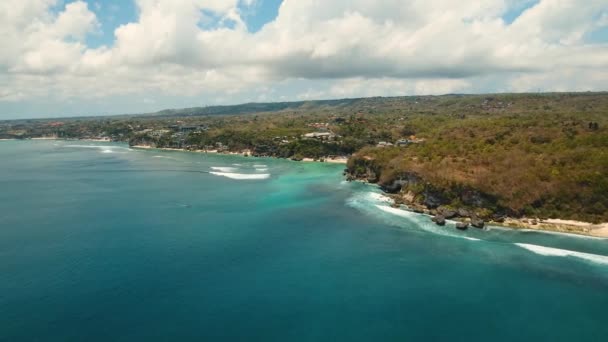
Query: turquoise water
{"x": 102, "y": 243}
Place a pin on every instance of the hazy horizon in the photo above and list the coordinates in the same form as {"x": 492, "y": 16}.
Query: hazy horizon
{"x": 93, "y": 115}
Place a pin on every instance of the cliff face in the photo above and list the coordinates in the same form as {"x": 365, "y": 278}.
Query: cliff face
{"x": 413, "y": 190}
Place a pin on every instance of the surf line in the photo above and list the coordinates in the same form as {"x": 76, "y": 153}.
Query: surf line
{"x": 155, "y": 170}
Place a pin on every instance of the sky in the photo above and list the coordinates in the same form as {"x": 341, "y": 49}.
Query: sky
{"x": 100, "y": 57}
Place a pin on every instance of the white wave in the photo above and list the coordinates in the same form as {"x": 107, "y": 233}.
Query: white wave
{"x": 395, "y": 211}
{"x": 237, "y": 164}
{"x": 374, "y": 196}
{"x": 377, "y": 205}
{"x": 556, "y": 252}
{"x": 471, "y": 239}
{"x": 224, "y": 169}
{"x": 241, "y": 176}
{"x": 261, "y": 169}
{"x": 260, "y": 165}
{"x": 422, "y": 221}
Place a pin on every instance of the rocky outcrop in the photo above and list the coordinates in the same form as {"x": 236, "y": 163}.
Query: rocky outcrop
{"x": 477, "y": 222}
{"x": 447, "y": 212}
{"x": 433, "y": 198}
{"x": 439, "y": 220}
{"x": 462, "y": 212}
{"x": 462, "y": 225}
{"x": 402, "y": 182}
{"x": 424, "y": 197}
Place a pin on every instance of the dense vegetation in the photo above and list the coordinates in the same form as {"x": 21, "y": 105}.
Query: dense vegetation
{"x": 535, "y": 155}
{"x": 540, "y": 155}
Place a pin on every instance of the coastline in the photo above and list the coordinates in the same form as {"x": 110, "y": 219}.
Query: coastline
{"x": 561, "y": 226}
{"x": 341, "y": 160}
{"x": 63, "y": 139}
{"x": 550, "y": 225}
{"x": 558, "y": 226}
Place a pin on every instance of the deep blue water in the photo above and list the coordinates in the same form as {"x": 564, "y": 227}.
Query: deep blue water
{"x": 102, "y": 243}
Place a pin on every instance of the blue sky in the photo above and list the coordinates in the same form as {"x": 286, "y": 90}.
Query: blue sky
{"x": 67, "y": 58}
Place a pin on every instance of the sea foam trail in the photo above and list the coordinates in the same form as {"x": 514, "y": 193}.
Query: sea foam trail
{"x": 241, "y": 176}
{"x": 556, "y": 252}
{"x": 224, "y": 169}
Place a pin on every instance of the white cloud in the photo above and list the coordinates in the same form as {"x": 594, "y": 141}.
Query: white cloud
{"x": 352, "y": 47}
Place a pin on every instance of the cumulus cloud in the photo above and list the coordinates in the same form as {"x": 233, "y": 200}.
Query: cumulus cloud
{"x": 353, "y": 47}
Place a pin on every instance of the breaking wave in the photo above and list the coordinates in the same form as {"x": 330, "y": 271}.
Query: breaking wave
{"x": 556, "y": 252}
{"x": 378, "y": 205}
{"x": 224, "y": 169}
{"x": 241, "y": 176}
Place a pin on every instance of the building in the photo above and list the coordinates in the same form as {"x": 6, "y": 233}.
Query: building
{"x": 408, "y": 141}
{"x": 384, "y": 144}
{"x": 158, "y": 133}
{"x": 320, "y": 136}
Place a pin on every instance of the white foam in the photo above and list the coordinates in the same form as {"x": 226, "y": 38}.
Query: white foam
{"x": 396, "y": 211}
{"x": 260, "y": 165}
{"x": 556, "y": 252}
{"x": 374, "y": 196}
{"x": 261, "y": 169}
{"x": 224, "y": 169}
{"x": 237, "y": 164}
{"x": 241, "y": 176}
{"x": 471, "y": 239}
{"x": 423, "y": 223}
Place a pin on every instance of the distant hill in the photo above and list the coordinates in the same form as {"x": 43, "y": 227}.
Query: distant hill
{"x": 252, "y": 108}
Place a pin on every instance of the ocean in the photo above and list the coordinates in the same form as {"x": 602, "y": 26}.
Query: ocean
{"x": 99, "y": 242}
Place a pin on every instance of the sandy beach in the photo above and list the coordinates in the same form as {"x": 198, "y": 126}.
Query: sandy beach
{"x": 557, "y": 225}
{"x": 332, "y": 161}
